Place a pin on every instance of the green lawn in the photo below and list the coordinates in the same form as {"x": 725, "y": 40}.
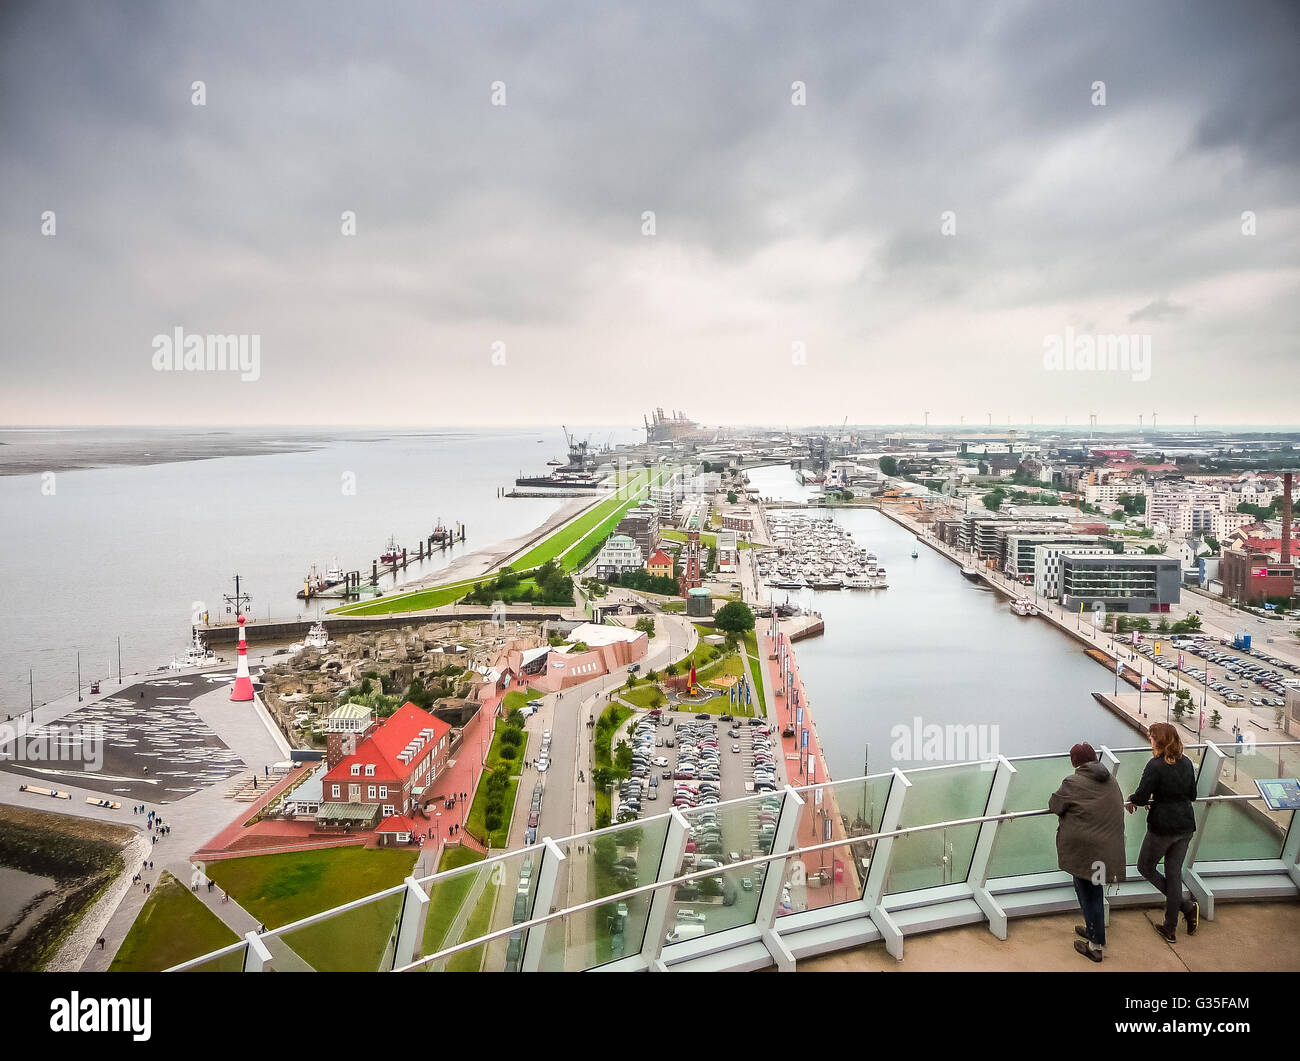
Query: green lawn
{"x": 514, "y": 766}
{"x": 573, "y": 542}
{"x": 475, "y": 822}
{"x": 642, "y": 695}
{"x": 278, "y": 889}
{"x": 447, "y": 897}
{"x": 173, "y": 927}
{"x": 709, "y": 541}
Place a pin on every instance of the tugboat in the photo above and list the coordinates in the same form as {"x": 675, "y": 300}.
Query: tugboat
{"x": 439, "y": 533}
{"x": 915, "y": 554}
{"x": 392, "y": 552}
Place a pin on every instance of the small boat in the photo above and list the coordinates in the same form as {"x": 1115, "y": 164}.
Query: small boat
{"x": 858, "y": 582}
{"x": 392, "y": 552}
{"x": 333, "y": 573}
{"x": 439, "y": 533}
{"x": 970, "y": 573}
{"x": 553, "y": 463}
{"x": 197, "y": 654}
{"x": 1024, "y": 606}
{"x": 316, "y": 638}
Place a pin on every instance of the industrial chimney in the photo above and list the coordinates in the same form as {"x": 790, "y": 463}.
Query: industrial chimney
{"x": 1286, "y": 517}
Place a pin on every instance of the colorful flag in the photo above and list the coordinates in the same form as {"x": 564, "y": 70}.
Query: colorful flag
{"x": 1144, "y": 683}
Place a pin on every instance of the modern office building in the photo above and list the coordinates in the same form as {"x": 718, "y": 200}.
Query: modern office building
{"x": 1120, "y": 583}
{"x": 641, "y": 524}
{"x": 1047, "y": 563}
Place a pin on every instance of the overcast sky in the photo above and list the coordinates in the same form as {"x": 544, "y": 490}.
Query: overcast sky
{"x": 798, "y": 271}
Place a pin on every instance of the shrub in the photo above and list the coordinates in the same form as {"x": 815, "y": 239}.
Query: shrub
{"x": 492, "y": 820}
{"x": 508, "y": 752}
{"x": 511, "y": 737}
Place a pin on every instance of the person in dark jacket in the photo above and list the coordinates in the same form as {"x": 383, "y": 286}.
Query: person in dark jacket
{"x": 1090, "y": 841}
{"x": 1167, "y": 790}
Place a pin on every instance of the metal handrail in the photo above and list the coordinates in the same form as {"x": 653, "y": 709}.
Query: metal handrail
{"x": 761, "y": 860}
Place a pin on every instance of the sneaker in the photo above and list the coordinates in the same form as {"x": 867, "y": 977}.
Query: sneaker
{"x": 1093, "y": 954}
{"x": 1193, "y": 918}
{"x": 1167, "y": 934}
{"x": 1082, "y": 932}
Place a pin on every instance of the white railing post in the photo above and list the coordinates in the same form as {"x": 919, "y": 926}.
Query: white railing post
{"x": 670, "y": 863}
{"x": 769, "y": 899}
{"x": 1110, "y": 761}
{"x": 1206, "y": 782}
{"x": 1291, "y": 849}
{"x": 410, "y": 930}
{"x": 256, "y": 956}
{"x": 548, "y": 876}
{"x": 878, "y": 871}
{"x": 978, "y": 875}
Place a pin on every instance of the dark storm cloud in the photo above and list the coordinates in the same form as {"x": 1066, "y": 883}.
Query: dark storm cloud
{"x": 523, "y": 223}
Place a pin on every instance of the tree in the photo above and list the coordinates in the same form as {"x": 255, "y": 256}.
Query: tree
{"x": 846, "y": 495}
{"x": 993, "y": 499}
{"x": 889, "y": 466}
{"x": 731, "y": 497}
{"x": 734, "y": 616}
{"x": 1215, "y": 719}
{"x": 646, "y": 625}
{"x": 1163, "y": 626}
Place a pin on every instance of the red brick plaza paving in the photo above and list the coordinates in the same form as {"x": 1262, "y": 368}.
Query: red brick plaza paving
{"x": 269, "y": 835}
{"x": 784, "y": 712}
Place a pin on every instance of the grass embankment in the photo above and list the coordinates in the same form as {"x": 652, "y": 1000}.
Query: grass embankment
{"x": 83, "y": 856}
{"x": 173, "y": 927}
{"x": 447, "y": 897}
{"x": 279, "y": 889}
{"x": 566, "y": 542}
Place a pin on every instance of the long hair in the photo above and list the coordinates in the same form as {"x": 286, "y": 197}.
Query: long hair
{"x": 1168, "y": 745}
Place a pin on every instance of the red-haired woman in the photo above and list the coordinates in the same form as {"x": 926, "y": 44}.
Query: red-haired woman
{"x": 1167, "y": 790}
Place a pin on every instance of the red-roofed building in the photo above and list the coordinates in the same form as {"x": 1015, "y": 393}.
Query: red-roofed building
{"x": 660, "y": 565}
{"x": 398, "y": 827}
{"x": 400, "y": 757}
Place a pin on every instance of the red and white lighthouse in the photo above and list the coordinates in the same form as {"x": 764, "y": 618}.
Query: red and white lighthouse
{"x": 243, "y": 689}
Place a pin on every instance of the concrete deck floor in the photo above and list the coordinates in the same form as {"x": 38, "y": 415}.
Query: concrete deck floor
{"x": 1243, "y": 937}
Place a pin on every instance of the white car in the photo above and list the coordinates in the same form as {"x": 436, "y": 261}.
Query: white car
{"x": 543, "y": 765}
{"x": 659, "y": 761}
{"x": 735, "y": 748}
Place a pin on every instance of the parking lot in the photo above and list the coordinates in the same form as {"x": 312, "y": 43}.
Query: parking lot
{"x": 684, "y": 762}
{"x": 697, "y": 765}
{"x": 1237, "y": 675}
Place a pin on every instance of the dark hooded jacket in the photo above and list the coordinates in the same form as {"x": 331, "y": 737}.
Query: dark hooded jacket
{"x": 1090, "y": 835}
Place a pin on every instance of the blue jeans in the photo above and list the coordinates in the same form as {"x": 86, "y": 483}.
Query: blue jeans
{"x": 1092, "y": 904}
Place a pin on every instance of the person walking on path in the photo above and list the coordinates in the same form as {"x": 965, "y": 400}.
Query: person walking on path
{"x": 1167, "y": 789}
{"x": 1090, "y": 841}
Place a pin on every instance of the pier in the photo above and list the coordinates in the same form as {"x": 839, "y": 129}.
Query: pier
{"x": 349, "y": 587}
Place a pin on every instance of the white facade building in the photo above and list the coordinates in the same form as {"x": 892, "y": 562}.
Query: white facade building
{"x": 619, "y": 553}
